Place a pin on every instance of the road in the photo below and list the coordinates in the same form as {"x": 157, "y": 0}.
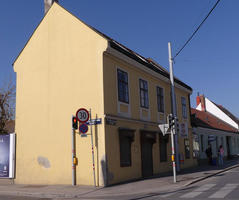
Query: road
{"x": 221, "y": 186}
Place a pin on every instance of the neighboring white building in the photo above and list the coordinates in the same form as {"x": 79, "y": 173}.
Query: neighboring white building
{"x": 204, "y": 104}
{"x": 213, "y": 124}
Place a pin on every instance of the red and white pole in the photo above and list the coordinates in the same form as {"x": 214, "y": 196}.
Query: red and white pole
{"x": 92, "y": 149}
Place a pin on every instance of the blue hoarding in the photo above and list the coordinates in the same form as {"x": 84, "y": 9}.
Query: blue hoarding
{"x": 7, "y": 155}
{"x": 4, "y": 155}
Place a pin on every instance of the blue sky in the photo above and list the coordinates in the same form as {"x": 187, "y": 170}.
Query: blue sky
{"x": 208, "y": 64}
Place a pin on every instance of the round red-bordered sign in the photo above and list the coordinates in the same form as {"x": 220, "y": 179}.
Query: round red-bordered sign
{"x": 82, "y": 115}
{"x": 83, "y": 128}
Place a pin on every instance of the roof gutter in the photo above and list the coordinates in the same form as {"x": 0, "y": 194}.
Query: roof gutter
{"x": 133, "y": 59}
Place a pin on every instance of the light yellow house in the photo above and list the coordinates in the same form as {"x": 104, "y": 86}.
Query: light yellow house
{"x": 67, "y": 65}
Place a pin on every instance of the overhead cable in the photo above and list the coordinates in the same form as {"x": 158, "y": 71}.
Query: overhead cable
{"x": 196, "y": 30}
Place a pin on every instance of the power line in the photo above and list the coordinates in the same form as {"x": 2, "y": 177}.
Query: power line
{"x": 196, "y": 30}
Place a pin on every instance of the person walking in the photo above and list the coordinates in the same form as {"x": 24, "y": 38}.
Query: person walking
{"x": 209, "y": 154}
{"x": 221, "y": 155}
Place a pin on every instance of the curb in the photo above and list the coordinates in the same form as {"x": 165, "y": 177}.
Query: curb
{"x": 208, "y": 176}
{"x": 51, "y": 195}
{"x": 42, "y": 195}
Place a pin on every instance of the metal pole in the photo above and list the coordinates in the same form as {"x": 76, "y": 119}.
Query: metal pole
{"x": 173, "y": 108}
{"x": 176, "y": 147}
{"x": 92, "y": 148}
{"x": 73, "y": 156}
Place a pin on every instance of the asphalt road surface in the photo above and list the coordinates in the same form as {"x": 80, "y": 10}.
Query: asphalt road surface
{"x": 221, "y": 186}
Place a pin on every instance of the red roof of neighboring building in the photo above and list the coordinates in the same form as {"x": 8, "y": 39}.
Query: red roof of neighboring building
{"x": 207, "y": 120}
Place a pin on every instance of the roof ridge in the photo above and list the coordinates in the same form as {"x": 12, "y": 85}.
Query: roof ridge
{"x": 133, "y": 55}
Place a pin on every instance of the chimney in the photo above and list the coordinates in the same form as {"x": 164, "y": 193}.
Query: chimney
{"x": 201, "y": 99}
{"x": 48, "y": 4}
{"x": 198, "y": 99}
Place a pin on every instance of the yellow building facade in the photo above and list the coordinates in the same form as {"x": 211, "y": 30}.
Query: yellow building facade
{"x": 67, "y": 65}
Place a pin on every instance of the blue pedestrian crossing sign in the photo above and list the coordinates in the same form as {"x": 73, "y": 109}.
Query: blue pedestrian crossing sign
{"x": 83, "y": 128}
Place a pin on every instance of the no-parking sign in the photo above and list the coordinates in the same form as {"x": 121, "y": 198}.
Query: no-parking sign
{"x": 83, "y": 128}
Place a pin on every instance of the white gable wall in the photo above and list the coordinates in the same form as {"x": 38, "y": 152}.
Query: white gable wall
{"x": 199, "y": 107}
{"x": 214, "y": 110}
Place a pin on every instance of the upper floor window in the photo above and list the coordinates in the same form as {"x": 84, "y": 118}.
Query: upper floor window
{"x": 144, "y": 99}
{"x": 160, "y": 99}
{"x": 123, "y": 91}
{"x": 184, "y": 107}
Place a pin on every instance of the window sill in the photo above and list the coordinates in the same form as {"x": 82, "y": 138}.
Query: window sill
{"x": 125, "y": 165}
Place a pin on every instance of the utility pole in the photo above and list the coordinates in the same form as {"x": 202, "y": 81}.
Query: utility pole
{"x": 174, "y": 113}
{"x": 73, "y": 152}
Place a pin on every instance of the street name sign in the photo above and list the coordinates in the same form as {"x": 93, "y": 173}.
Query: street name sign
{"x": 94, "y": 121}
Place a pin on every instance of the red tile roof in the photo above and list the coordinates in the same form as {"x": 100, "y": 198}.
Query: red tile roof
{"x": 207, "y": 120}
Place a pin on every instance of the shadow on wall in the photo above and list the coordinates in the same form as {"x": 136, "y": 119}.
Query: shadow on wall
{"x": 104, "y": 171}
{"x": 107, "y": 176}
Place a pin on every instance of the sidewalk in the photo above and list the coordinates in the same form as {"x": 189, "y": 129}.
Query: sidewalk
{"x": 132, "y": 190}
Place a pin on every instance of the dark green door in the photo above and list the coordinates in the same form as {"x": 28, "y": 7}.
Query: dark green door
{"x": 147, "y": 141}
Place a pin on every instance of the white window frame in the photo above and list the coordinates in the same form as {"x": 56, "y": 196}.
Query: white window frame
{"x": 119, "y": 103}
{"x": 142, "y": 109}
{"x": 140, "y": 93}
{"x": 127, "y": 100}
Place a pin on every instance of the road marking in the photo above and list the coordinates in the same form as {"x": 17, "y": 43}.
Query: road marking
{"x": 167, "y": 195}
{"x": 236, "y": 171}
{"x": 224, "y": 191}
{"x": 198, "y": 191}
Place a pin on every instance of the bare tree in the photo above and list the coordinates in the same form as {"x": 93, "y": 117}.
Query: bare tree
{"x": 7, "y": 105}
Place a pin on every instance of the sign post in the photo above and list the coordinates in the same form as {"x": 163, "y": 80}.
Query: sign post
{"x": 73, "y": 154}
{"x": 83, "y": 117}
{"x": 92, "y": 148}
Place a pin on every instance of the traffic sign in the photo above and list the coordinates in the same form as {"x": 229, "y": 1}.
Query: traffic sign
{"x": 164, "y": 129}
{"x": 83, "y": 128}
{"x": 183, "y": 129}
{"x": 82, "y": 115}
